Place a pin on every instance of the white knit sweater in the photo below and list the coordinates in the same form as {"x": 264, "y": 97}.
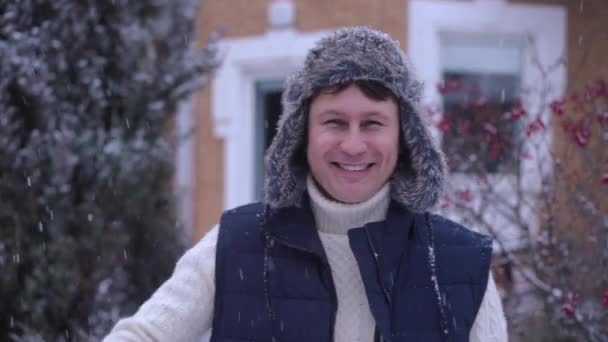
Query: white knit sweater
{"x": 182, "y": 308}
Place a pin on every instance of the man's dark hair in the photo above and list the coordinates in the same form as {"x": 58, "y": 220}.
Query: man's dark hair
{"x": 372, "y": 89}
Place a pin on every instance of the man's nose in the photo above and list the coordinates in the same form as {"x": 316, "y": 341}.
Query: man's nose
{"x": 353, "y": 142}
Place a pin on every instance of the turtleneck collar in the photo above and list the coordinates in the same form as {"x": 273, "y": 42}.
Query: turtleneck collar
{"x": 337, "y": 218}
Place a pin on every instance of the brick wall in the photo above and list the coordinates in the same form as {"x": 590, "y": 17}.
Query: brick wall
{"x": 587, "y": 61}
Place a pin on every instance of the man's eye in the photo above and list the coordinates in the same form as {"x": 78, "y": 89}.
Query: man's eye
{"x": 333, "y": 122}
{"x": 372, "y": 124}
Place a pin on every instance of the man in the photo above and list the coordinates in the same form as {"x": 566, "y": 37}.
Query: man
{"x": 342, "y": 248}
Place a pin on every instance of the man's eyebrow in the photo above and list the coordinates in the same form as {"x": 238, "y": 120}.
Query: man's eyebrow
{"x": 329, "y": 112}
{"x": 333, "y": 113}
{"x": 373, "y": 114}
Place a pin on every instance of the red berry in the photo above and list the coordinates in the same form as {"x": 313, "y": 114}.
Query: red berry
{"x": 465, "y": 195}
{"x": 444, "y": 125}
{"x": 557, "y": 107}
{"x": 568, "y": 309}
{"x": 517, "y": 112}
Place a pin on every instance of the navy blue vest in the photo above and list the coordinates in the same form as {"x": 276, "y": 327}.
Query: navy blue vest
{"x": 424, "y": 276}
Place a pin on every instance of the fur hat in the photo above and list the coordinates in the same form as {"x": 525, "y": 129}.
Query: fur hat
{"x": 350, "y": 54}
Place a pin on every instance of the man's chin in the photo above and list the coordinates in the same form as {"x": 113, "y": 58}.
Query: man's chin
{"x": 350, "y": 197}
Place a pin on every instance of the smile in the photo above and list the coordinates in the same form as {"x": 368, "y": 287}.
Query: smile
{"x": 353, "y": 167}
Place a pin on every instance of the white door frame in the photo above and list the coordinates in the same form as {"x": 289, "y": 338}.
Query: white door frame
{"x": 274, "y": 55}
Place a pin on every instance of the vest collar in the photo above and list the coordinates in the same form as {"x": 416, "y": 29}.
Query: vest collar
{"x": 295, "y": 227}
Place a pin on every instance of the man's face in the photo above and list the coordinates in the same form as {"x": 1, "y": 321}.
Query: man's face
{"x": 353, "y": 143}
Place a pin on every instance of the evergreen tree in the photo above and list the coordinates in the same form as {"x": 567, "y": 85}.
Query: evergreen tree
{"x": 87, "y": 222}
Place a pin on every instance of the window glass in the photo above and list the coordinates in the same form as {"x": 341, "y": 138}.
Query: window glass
{"x": 268, "y": 109}
{"x": 480, "y": 91}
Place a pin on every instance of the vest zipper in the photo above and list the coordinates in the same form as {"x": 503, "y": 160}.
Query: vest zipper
{"x": 385, "y": 291}
{"x": 377, "y": 335}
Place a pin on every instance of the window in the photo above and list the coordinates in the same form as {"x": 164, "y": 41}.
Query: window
{"x": 478, "y": 43}
{"x": 480, "y": 91}
{"x": 234, "y": 102}
{"x": 268, "y": 110}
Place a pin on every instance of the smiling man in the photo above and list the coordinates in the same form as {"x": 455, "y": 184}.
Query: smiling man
{"x": 343, "y": 247}
{"x": 353, "y": 140}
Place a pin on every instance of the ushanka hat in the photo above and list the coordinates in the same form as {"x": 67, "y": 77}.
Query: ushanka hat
{"x": 347, "y": 55}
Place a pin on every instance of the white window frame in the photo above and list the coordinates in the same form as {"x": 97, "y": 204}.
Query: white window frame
{"x": 184, "y": 179}
{"x": 544, "y": 24}
{"x": 273, "y": 55}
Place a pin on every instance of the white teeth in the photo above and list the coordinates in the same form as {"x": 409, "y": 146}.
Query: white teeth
{"x": 354, "y": 167}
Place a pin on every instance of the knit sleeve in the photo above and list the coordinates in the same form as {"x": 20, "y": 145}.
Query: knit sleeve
{"x": 182, "y": 308}
{"x": 490, "y": 323}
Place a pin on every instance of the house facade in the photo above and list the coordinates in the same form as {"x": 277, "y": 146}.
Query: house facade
{"x": 488, "y": 42}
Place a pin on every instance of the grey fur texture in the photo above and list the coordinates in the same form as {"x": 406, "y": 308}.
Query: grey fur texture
{"x": 349, "y": 54}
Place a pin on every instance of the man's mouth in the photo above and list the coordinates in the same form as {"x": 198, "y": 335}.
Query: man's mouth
{"x": 353, "y": 167}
